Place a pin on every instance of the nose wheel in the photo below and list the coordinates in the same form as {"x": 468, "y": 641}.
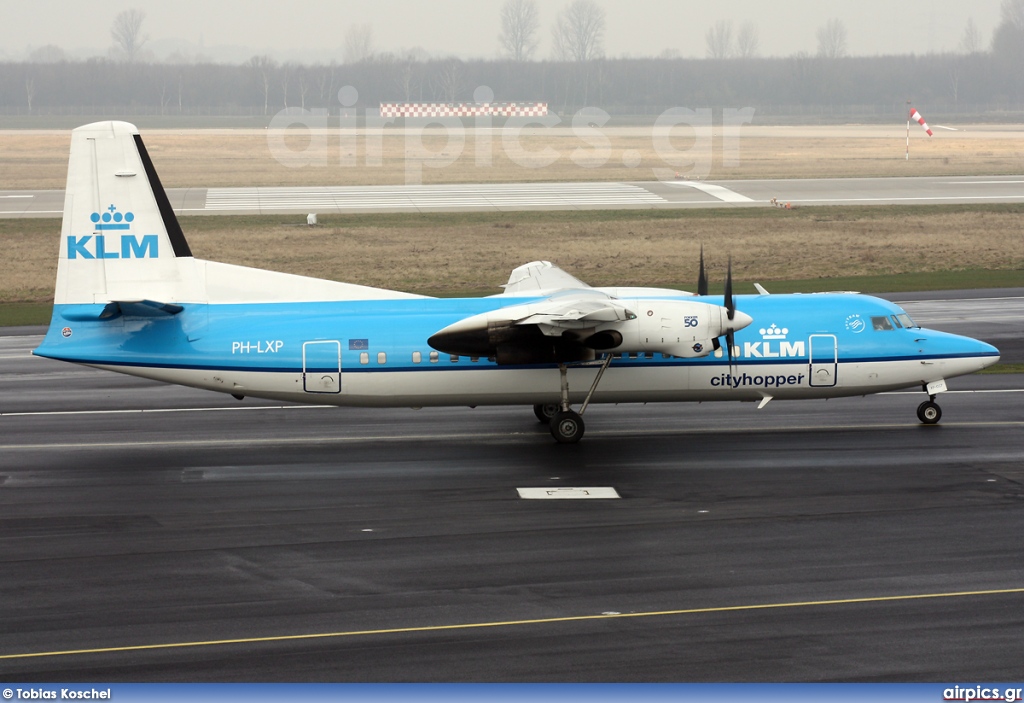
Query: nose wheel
{"x": 929, "y": 412}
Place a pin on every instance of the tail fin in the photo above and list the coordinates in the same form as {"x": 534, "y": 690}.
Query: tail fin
{"x": 120, "y": 239}
{"x": 121, "y": 242}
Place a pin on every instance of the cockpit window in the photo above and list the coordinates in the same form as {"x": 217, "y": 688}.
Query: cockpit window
{"x": 881, "y": 323}
{"x": 906, "y": 321}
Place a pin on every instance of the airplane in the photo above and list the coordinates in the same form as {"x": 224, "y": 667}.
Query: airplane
{"x": 130, "y": 297}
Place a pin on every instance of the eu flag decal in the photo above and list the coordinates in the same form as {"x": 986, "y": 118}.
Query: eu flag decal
{"x": 358, "y": 344}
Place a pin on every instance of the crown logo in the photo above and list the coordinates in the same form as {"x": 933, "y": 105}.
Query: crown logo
{"x": 112, "y": 219}
{"x": 774, "y": 332}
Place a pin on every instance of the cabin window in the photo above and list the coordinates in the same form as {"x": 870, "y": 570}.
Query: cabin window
{"x": 881, "y": 323}
{"x": 434, "y": 356}
{"x": 454, "y": 358}
{"x": 382, "y": 357}
{"x": 364, "y": 358}
{"x": 417, "y": 357}
{"x": 632, "y": 355}
{"x": 905, "y": 320}
{"x": 474, "y": 359}
{"x": 491, "y": 359}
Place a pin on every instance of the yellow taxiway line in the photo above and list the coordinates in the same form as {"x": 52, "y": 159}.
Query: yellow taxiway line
{"x": 514, "y": 623}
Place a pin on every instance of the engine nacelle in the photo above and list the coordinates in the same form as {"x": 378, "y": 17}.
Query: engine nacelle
{"x": 678, "y": 327}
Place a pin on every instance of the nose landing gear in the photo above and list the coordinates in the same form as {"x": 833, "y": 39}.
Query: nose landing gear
{"x": 929, "y": 412}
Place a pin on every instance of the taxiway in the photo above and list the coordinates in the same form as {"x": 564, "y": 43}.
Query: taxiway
{"x": 150, "y": 532}
{"x": 510, "y": 197}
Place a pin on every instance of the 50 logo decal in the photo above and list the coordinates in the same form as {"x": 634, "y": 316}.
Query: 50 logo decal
{"x": 690, "y": 321}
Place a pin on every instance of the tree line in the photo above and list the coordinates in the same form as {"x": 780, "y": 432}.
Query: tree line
{"x": 643, "y": 86}
{"x": 578, "y": 76}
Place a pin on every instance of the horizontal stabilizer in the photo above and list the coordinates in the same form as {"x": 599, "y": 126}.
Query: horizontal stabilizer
{"x": 127, "y": 308}
{"x": 147, "y": 308}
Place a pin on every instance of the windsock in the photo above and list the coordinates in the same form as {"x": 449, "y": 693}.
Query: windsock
{"x": 915, "y": 115}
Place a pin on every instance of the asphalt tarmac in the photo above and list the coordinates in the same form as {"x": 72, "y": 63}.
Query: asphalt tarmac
{"x": 511, "y": 197}
{"x": 155, "y": 533}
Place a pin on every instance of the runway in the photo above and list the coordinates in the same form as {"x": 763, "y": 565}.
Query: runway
{"x": 154, "y": 533}
{"x": 511, "y": 197}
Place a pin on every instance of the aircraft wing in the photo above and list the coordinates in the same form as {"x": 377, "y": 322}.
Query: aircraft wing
{"x": 575, "y": 322}
{"x": 571, "y": 310}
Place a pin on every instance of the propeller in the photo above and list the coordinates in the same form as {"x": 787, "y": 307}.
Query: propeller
{"x": 702, "y": 277}
{"x": 730, "y": 311}
{"x": 729, "y": 303}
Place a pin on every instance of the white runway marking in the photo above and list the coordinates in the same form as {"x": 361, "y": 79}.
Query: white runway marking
{"x": 417, "y": 197}
{"x": 568, "y": 493}
{"x": 954, "y": 198}
{"x": 16, "y": 196}
{"x": 720, "y": 192}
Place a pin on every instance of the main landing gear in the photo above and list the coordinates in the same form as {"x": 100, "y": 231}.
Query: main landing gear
{"x": 566, "y": 424}
{"x": 929, "y": 412}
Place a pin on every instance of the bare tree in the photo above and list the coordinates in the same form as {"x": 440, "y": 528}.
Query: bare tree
{"x": 748, "y": 41}
{"x": 404, "y": 78}
{"x": 1008, "y": 40}
{"x": 285, "y": 76}
{"x": 127, "y": 32}
{"x": 358, "y": 45}
{"x": 305, "y": 80}
{"x": 520, "y": 20}
{"x": 832, "y": 39}
{"x": 1012, "y": 12}
{"x": 450, "y": 80}
{"x": 719, "y": 40}
{"x": 262, "y": 70}
{"x": 970, "y": 43}
{"x": 30, "y": 91}
{"x": 325, "y": 76}
{"x": 578, "y": 33}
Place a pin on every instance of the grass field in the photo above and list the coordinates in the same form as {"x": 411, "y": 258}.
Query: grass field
{"x": 873, "y": 249}
{"x": 246, "y": 157}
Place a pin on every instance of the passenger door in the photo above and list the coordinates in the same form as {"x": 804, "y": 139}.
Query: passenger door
{"x": 824, "y": 360}
{"x": 321, "y": 366}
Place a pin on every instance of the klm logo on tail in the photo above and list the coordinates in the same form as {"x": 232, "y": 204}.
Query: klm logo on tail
{"x": 97, "y": 246}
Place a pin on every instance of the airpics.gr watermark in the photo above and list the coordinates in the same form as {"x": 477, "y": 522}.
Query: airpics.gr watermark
{"x": 981, "y": 693}
{"x": 681, "y": 139}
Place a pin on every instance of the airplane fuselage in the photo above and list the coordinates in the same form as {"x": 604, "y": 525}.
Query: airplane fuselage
{"x": 375, "y": 353}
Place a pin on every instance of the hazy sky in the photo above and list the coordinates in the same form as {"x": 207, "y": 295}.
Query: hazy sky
{"x": 314, "y": 29}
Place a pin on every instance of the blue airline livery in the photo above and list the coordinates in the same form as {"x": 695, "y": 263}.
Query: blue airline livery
{"x": 130, "y": 297}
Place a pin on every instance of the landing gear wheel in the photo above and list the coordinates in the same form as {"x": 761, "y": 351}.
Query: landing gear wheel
{"x": 567, "y": 427}
{"x": 929, "y": 412}
{"x": 545, "y": 411}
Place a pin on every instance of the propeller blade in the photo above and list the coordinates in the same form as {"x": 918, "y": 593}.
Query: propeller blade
{"x": 730, "y": 305}
{"x": 702, "y": 278}
{"x": 730, "y": 342}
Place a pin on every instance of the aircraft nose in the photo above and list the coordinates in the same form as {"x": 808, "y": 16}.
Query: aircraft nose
{"x": 984, "y": 349}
